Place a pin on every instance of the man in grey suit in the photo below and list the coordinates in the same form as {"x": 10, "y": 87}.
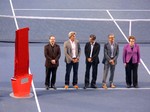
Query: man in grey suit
{"x": 111, "y": 52}
{"x": 72, "y": 54}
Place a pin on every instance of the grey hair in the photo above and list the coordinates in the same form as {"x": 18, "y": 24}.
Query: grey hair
{"x": 111, "y": 35}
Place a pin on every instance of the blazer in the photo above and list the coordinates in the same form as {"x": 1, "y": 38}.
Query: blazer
{"x": 95, "y": 53}
{"x": 128, "y": 53}
{"x": 68, "y": 50}
{"x": 50, "y": 56}
{"x": 107, "y": 53}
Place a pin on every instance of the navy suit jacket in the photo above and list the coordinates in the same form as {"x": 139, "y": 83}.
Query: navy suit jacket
{"x": 95, "y": 53}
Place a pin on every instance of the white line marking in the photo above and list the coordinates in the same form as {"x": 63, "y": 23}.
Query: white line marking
{"x": 73, "y": 19}
{"x": 117, "y": 26}
{"x": 34, "y": 91}
{"x": 89, "y": 10}
{"x": 130, "y": 28}
{"x": 36, "y": 99}
{"x": 14, "y": 16}
{"x": 43, "y": 89}
{"x": 145, "y": 66}
{"x": 127, "y": 39}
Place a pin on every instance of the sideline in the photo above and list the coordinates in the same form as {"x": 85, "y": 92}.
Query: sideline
{"x": 36, "y": 99}
{"x": 42, "y": 89}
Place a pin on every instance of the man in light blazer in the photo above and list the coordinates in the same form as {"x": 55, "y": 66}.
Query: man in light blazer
{"x": 91, "y": 50}
{"x": 72, "y": 54}
{"x": 111, "y": 52}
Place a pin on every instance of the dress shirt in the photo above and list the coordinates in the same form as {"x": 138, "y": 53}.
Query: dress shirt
{"x": 112, "y": 49}
{"x": 73, "y": 49}
{"x": 92, "y": 46}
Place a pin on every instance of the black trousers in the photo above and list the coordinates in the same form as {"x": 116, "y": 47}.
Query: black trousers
{"x": 94, "y": 73}
{"x": 48, "y": 75}
{"x": 75, "y": 73}
{"x": 132, "y": 74}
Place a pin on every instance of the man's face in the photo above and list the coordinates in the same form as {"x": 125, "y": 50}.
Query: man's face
{"x": 111, "y": 39}
{"x": 73, "y": 37}
{"x": 91, "y": 40}
{"x": 52, "y": 40}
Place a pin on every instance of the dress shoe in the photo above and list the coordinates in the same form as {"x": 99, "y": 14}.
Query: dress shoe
{"x": 66, "y": 86}
{"x": 53, "y": 87}
{"x": 104, "y": 86}
{"x": 136, "y": 86}
{"x": 128, "y": 86}
{"x": 93, "y": 86}
{"x": 76, "y": 86}
{"x": 46, "y": 87}
{"x": 112, "y": 85}
{"x": 86, "y": 86}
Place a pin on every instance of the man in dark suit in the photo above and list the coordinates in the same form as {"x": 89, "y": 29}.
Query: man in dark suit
{"x": 52, "y": 54}
{"x": 111, "y": 52}
{"x": 72, "y": 52}
{"x": 91, "y": 50}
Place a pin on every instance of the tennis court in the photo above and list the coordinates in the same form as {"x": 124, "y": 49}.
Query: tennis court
{"x": 44, "y": 18}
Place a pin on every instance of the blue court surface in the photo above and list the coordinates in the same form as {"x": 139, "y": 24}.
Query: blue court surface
{"x": 59, "y": 17}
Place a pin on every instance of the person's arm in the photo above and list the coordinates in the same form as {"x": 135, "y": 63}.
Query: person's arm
{"x": 117, "y": 52}
{"x": 106, "y": 53}
{"x": 124, "y": 55}
{"x": 65, "y": 51}
{"x": 46, "y": 53}
{"x": 97, "y": 51}
{"x": 138, "y": 54}
{"x": 58, "y": 53}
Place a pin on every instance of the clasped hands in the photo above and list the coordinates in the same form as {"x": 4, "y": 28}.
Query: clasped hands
{"x": 53, "y": 61}
{"x": 89, "y": 59}
{"x": 112, "y": 61}
{"x": 75, "y": 60}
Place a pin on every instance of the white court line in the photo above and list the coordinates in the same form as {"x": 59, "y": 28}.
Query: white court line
{"x": 130, "y": 28}
{"x": 73, "y": 19}
{"x": 14, "y": 16}
{"x": 36, "y": 99}
{"x": 127, "y": 40}
{"x": 89, "y": 10}
{"x": 42, "y": 89}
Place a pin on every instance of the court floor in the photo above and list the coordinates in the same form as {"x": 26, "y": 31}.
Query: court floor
{"x": 123, "y": 18}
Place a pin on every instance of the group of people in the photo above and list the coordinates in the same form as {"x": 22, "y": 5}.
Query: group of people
{"x": 72, "y": 51}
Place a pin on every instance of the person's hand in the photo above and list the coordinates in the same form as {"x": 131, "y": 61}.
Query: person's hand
{"x": 89, "y": 60}
{"x": 125, "y": 64}
{"x": 75, "y": 60}
{"x": 112, "y": 62}
{"x": 53, "y": 61}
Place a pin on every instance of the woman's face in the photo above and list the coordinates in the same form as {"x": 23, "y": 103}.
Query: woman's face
{"x": 132, "y": 42}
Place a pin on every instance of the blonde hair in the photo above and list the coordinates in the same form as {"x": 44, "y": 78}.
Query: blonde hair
{"x": 71, "y": 33}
